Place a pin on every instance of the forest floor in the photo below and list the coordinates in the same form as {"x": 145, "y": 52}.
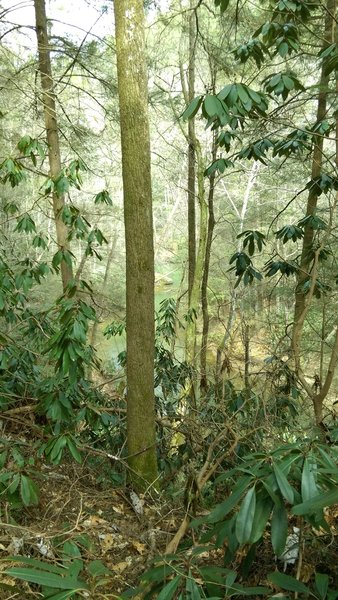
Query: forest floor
{"x": 77, "y": 518}
{"x": 81, "y": 516}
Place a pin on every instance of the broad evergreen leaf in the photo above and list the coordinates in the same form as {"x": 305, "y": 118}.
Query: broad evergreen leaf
{"x": 218, "y": 165}
{"x": 308, "y": 484}
{"x": 279, "y": 528}
{"x": 169, "y": 590}
{"x": 322, "y": 584}
{"x": 46, "y": 578}
{"x": 316, "y": 503}
{"x": 223, "y": 4}
{"x": 103, "y": 198}
{"x": 192, "y": 589}
{"x": 63, "y": 595}
{"x": 287, "y": 582}
{"x": 223, "y": 509}
{"x": 28, "y": 491}
{"x": 74, "y": 450}
{"x": 289, "y": 232}
{"x": 263, "y": 509}
{"x": 283, "y": 484}
{"x": 38, "y": 564}
{"x": 245, "y": 517}
{"x": 192, "y": 108}
{"x": 158, "y": 573}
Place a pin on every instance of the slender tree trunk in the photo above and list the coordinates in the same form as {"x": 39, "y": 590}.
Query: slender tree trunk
{"x": 191, "y": 156}
{"x": 195, "y": 297}
{"x": 133, "y": 99}
{"x": 246, "y": 342}
{"x": 49, "y": 111}
{"x": 306, "y": 260}
{"x": 309, "y": 257}
{"x": 325, "y": 384}
{"x": 204, "y": 289}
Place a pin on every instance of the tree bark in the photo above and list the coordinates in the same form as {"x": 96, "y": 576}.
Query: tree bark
{"x": 135, "y": 142}
{"x": 204, "y": 288}
{"x": 191, "y": 156}
{"x": 310, "y": 258}
{"x": 52, "y": 132}
{"x": 195, "y": 297}
{"x": 306, "y": 260}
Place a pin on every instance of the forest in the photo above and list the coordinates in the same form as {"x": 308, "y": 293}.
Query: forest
{"x": 168, "y": 299}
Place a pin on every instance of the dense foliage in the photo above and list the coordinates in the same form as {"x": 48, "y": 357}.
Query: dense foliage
{"x": 246, "y": 337}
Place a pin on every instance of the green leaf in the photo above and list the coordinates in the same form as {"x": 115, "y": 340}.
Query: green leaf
{"x": 103, "y": 198}
{"x": 242, "y": 93}
{"x": 96, "y": 568}
{"x": 283, "y": 484}
{"x": 70, "y": 549}
{"x": 322, "y": 584}
{"x": 61, "y": 185}
{"x": 28, "y": 491}
{"x": 47, "y": 579}
{"x": 74, "y": 451}
{"x": 249, "y": 591}
{"x": 287, "y": 582}
{"x": 14, "y": 483}
{"x": 42, "y": 566}
{"x": 223, "y": 4}
{"x": 192, "y": 589}
{"x": 316, "y": 503}
{"x": 159, "y": 573}
{"x": 279, "y": 529}
{"x": 17, "y": 456}
{"x": 283, "y": 49}
{"x": 308, "y": 485}
{"x": 212, "y": 106}
{"x": 262, "y": 513}
{"x": 288, "y": 82}
{"x": 245, "y": 517}
{"x": 221, "y": 510}
{"x": 169, "y": 590}
{"x": 59, "y": 444}
{"x": 192, "y": 108}
{"x": 25, "y": 224}
{"x": 63, "y": 595}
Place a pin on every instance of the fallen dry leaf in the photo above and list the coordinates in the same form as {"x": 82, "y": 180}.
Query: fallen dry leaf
{"x": 120, "y": 567}
{"x": 141, "y": 548}
{"x": 94, "y": 521}
{"x": 119, "y": 509}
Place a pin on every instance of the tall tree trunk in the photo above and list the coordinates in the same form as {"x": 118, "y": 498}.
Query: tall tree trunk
{"x": 135, "y": 142}
{"x": 306, "y": 260}
{"x": 309, "y": 258}
{"x": 49, "y": 111}
{"x": 204, "y": 289}
{"x": 191, "y": 155}
{"x": 195, "y": 297}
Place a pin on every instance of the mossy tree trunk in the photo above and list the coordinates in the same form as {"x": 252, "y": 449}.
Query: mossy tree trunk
{"x": 191, "y": 155}
{"x": 50, "y": 117}
{"x": 205, "y": 279}
{"x": 309, "y": 261}
{"x": 133, "y": 99}
{"x": 306, "y": 260}
{"x": 195, "y": 294}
